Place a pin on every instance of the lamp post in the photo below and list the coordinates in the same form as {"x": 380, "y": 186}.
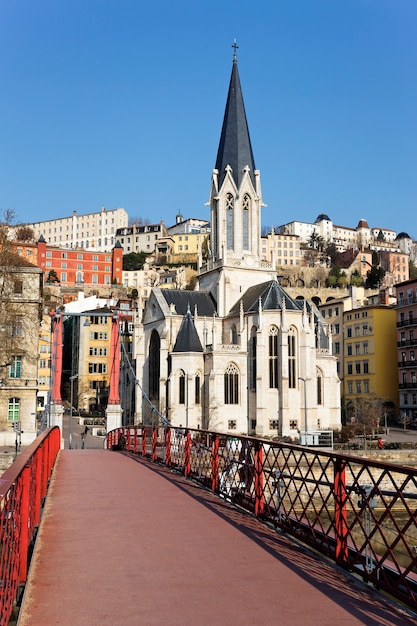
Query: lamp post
{"x": 304, "y": 380}
{"x": 72, "y": 378}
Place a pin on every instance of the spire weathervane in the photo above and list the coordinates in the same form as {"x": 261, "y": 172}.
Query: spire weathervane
{"x": 235, "y": 47}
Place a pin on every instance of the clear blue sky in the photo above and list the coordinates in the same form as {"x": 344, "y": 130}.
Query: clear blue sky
{"x": 120, "y": 103}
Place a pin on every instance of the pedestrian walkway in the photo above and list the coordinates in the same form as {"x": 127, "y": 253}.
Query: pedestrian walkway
{"x": 123, "y": 541}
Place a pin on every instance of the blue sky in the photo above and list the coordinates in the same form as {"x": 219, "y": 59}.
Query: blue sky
{"x": 120, "y": 103}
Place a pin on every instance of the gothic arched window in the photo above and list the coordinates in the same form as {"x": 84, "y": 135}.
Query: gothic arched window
{"x": 230, "y": 206}
{"x": 292, "y": 358}
{"x": 233, "y": 335}
{"x": 273, "y": 357}
{"x": 197, "y": 388}
{"x": 245, "y": 220}
{"x": 231, "y": 384}
{"x": 181, "y": 387}
{"x": 319, "y": 379}
{"x": 252, "y": 359}
{"x": 154, "y": 365}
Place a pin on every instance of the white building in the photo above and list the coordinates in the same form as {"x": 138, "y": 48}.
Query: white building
{"x": 238, "y": 354}
{"x": 91, "y": 231}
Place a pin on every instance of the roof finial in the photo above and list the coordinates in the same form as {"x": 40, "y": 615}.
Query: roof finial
{"x": 235, "y": 47}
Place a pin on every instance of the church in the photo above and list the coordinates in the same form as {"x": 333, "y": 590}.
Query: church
{"x": 237, "y": 354}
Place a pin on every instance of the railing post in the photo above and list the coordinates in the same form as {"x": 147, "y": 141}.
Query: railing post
{"x": 215, "y": 464}
{"x": 24, "y": 526}
{"x": 143, "y": 441}
{"x": 135, "y": 440}
{"x": 187, "y": 454}
{"x": 168, "y": 447}
{"x": 154, "y": 439}
{"x": 259, "y": 481}
{"x": 340, "y": 512}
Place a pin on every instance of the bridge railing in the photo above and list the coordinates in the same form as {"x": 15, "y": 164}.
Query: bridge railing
{"x": 362, "y": 513}
{"x": 23, "y": 488}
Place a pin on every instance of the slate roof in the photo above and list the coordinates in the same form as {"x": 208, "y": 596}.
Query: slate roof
{"x": 235, "y": 147}
{"x": 272, "y": 296}
{"x": 183, "y": 299}
{"x": 187, "y": 338}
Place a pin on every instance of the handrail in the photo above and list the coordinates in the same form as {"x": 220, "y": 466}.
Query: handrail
{"x": 358, "y": 512}
{"x": 23, "y": 487}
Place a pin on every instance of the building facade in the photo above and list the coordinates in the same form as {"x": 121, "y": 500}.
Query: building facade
{"x": 406, "y": 312}
{"x": 20, "y": 315}
{"x": 91, "y": 231}
{"x": 237, "y": 354}
{"x": 370, "y": 360}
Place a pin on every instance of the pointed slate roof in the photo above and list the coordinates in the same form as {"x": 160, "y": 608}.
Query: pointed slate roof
{"x": 187, "y": 338}
{"x": 183, "y": 299}
{"x": 272, "y": 297}
{"x": 235, "y": 147}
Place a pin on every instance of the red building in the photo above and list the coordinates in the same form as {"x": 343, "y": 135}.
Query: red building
{"x": 77, "y": 266}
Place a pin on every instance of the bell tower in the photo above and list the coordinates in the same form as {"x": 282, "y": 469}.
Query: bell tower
{"x": 235, "y": 207}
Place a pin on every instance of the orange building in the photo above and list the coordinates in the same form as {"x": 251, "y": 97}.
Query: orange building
{"x": 75, "y": 266}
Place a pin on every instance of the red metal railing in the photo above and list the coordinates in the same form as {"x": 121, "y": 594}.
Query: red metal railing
{"x": 361, "y": 513}
{"x": 23, "y": 488}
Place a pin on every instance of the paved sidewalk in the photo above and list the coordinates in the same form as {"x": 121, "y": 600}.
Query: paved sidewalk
{"x": 123, "y": 541}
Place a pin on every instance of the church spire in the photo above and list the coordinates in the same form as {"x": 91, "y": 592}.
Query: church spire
{"x": 235, "y": 147}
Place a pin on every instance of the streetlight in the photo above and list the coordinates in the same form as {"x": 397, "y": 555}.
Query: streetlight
{"x": 72, "y": 378}
{"x": 304, "y": 380}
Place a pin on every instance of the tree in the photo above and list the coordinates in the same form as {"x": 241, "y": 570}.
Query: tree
{"x": 134, "y": 260}
{"x": 412, "y": 268}
{"x": 366, "y": 413}
{"x": 316, "y": 241}
{"x": 374, "y": 277}
{"x": 52, "y": 277}
{"x": 24, "y": 233}
{"x": 337, "y": 277}
{"x": 20, "y": 307}
{"x": 356, "y": 279}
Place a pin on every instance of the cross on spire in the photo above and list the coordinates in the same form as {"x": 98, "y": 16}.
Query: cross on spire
{"x": 235, "y": 47}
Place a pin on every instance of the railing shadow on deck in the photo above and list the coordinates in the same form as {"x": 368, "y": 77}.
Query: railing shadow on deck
{"x": 360, "y": 513}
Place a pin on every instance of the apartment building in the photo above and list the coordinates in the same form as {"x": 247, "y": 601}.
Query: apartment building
{"x": 406, "y": 312}
{"x": 370, "y": 358}
{"x": 140, "y": 238}
{"x": 21, "y": 289}
{"x": 281, "y": 250}
{"x": 91, "y": 231}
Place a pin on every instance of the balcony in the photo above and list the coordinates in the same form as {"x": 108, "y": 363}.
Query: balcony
{"x": 408, "y": 322}
{"x": 412, "y": 386}
{"x": 402, "y": 364}
{"x": 407, "y": 342}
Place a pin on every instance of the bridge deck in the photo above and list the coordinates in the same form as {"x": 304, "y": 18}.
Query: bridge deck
{"x": 123, "y": 541}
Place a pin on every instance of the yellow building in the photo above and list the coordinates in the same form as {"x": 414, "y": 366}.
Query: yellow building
{"x": 370, "y": 359}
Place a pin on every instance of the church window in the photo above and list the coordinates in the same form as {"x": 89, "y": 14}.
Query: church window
{"x": 233, "y": 335}
{"x": 319, "y": 379}
{"x": 154, "y": 366}
{"x": 292, "y": 361}
{"x": 252, "y": 359}
{"x": 181, "y": 387}
{"x": 245, "y": 221}
{"x": 230, "y": 221}
{"x": 273, "y": 357}
{"x": 197, "y": 389}
{"x": 231, "y": 384}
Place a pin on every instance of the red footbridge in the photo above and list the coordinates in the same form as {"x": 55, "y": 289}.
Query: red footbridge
{"x": 183, "y": 527}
